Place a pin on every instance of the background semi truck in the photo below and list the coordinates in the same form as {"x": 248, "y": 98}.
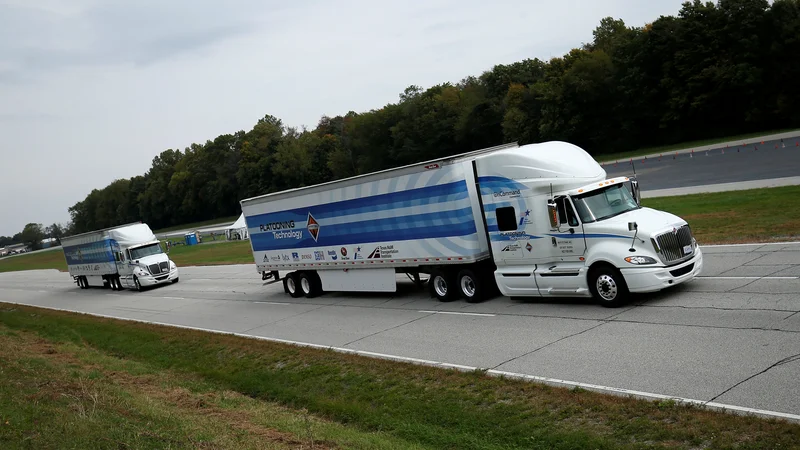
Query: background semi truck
{"x": 127, "y": 256}
{"x": 536, "y": 220}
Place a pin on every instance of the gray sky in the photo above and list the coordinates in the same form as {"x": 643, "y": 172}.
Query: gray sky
{"x": 92, "y": 90}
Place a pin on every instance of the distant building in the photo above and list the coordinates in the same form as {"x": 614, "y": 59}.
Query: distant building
{"x": 49, "y": 242}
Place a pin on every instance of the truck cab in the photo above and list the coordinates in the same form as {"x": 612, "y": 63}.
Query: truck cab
{"x": 143, "y": 265}
{"x": 558, "y": 227}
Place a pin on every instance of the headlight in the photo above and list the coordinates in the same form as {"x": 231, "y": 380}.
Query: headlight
{"x": 640, "y": 260}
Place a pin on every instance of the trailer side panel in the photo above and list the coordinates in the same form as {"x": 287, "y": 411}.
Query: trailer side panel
{"x": 422, "y": 218}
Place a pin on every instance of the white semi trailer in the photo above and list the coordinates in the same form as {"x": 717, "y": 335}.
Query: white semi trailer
{"x": 127, "y": 256}
{"x": 537, "y": 220}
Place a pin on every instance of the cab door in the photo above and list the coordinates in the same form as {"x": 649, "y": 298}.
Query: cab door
{"x": 564, "y": 274}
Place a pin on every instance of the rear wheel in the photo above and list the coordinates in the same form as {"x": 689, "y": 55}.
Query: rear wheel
{"x": 443, "y": 285}
{"x": 291, "y": 283}
{"x": 470, "y": 286}
{"x": 608, "y": 286}
{"x": 310, "y": 284}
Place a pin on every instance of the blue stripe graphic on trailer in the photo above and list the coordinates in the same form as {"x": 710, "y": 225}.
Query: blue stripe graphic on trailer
{"x": 265, "y": 241}
{"x": 413, "y": 197}
{"x": 94, "y": 253}
{"x": 490, "y": 184}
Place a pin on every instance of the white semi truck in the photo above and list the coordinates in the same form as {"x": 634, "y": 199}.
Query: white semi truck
{"x": 537, "y": 220}
{"x": 127, "y": 256}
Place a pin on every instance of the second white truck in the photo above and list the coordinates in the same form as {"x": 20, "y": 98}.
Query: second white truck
{"x": 538, "y": 220}
{"x": 128, "y": 256}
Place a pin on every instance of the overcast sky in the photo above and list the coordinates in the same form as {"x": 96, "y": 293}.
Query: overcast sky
{"x": 92, "y": 90}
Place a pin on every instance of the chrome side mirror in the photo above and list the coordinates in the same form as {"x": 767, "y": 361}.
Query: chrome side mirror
{"x": 635, "y": 192}
{"x": 552, "y": 213}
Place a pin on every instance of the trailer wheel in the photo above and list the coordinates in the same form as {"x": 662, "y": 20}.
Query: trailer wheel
{"x": 310, "y": 284}
{"x": 608, "y": 286}
{"x": 443, "y": 285}
{"x": 117, "y": 283}
{"x": 470, "y": 286}
{"x": 291, "y": 283}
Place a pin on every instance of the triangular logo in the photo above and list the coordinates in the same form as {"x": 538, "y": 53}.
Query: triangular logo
{"x": 312, "y": 226}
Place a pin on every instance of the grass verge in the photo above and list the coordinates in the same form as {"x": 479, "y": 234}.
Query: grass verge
{"x": 52, "y": 259}
{"x": 211, "y": 253}
{"x": 685, "y": 145}
{"x": 186, "y": 381}
{"x": 58, "y": 394}
{"x": 757, "y": 215}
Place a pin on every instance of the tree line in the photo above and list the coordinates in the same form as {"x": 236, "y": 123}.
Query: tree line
{"x": 715, "y": 69}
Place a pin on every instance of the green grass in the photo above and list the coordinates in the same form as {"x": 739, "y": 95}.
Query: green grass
{"x": 685, "y": 145}
{"x": 757, "y": 215}
{"x": 67, "y": 395}
{"x": 51, "y": 259}
{"x": 397, "y": 405}
{"x": 210, "y": 253}
{"x": 196, "y": 225}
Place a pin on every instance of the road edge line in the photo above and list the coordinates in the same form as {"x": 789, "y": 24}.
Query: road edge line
{"x": 721, "y": 407}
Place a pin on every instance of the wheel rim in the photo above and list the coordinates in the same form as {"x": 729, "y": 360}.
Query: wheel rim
{"x": 440, "y": 285}
{"x": 136, "y": 282}
{"x": 290, "y": 285}
{"x": 468, "y": 286}
{"x": 607, "y": 287}
{"x": 306, "y": 285}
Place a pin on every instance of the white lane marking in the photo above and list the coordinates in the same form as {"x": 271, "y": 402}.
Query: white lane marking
{"x": 458, "y": 313}
{"x": 546, "y": 380}
{"x": 754, "y": 243}
{"x": 749, "y": 278}
{"x": 272, "y": 303}
{"x": 175, "y": 298}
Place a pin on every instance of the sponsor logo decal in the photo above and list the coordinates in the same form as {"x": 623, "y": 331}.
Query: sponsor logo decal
{"x": 383, "y": 251}
{"x": 525, "y": 218}
{"x": 286, "y": 257}
{"x": 512, "y": 194}
{"x": 510, "y": 248}
{"x": 528, "y": 247}
{"x": 312, "y": 226}
{"x": 356, "y": 254}
{"x": 515, "y": 235}
{"x": 333, "y": 255}
{"x": 344, "y": 251}
{"x": 306, "y": 256}
{"x": 295, "y": 256}
{"x": 319, "y": 256}
{"x": 276, "y": 226}
{"x": 275, "y": 258}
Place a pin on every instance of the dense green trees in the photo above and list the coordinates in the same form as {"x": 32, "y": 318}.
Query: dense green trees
{"x": 712, "y": 70}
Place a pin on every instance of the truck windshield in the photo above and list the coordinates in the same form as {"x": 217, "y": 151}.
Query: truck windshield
{"x": 147, "y": 250}
{"x": 604, "y": 203}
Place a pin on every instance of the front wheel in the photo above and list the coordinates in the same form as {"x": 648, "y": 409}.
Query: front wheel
{"x": 136, "y": 284}
{"x": 608, "y": 286}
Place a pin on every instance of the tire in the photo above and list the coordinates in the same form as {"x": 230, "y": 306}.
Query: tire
{"x": 137, "y": 286}
{"x": 176, "y": 280}
{"x": 442, "y": 285}
{"x": 470, "y": 287}
{"x": 608, "y": 286}
{"x": 118, "y": 283}
{"x": 310, "y": 284}
{"x": 292, "y": 285}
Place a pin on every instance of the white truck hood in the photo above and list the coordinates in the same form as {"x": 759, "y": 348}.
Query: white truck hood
{"x": 649, "y": 221}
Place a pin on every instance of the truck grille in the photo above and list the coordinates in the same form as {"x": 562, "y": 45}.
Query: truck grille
{"x": 164, "y": 266}
{"x": 671, "y": 244}
{"x": 154, "y": 269}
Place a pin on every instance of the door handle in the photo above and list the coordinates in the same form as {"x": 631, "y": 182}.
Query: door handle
{"x": 572, "y": 231}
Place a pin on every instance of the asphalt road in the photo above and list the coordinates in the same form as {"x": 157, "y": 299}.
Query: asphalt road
{"x": 731, "y": 337}
{"x": 737, "y": 163}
